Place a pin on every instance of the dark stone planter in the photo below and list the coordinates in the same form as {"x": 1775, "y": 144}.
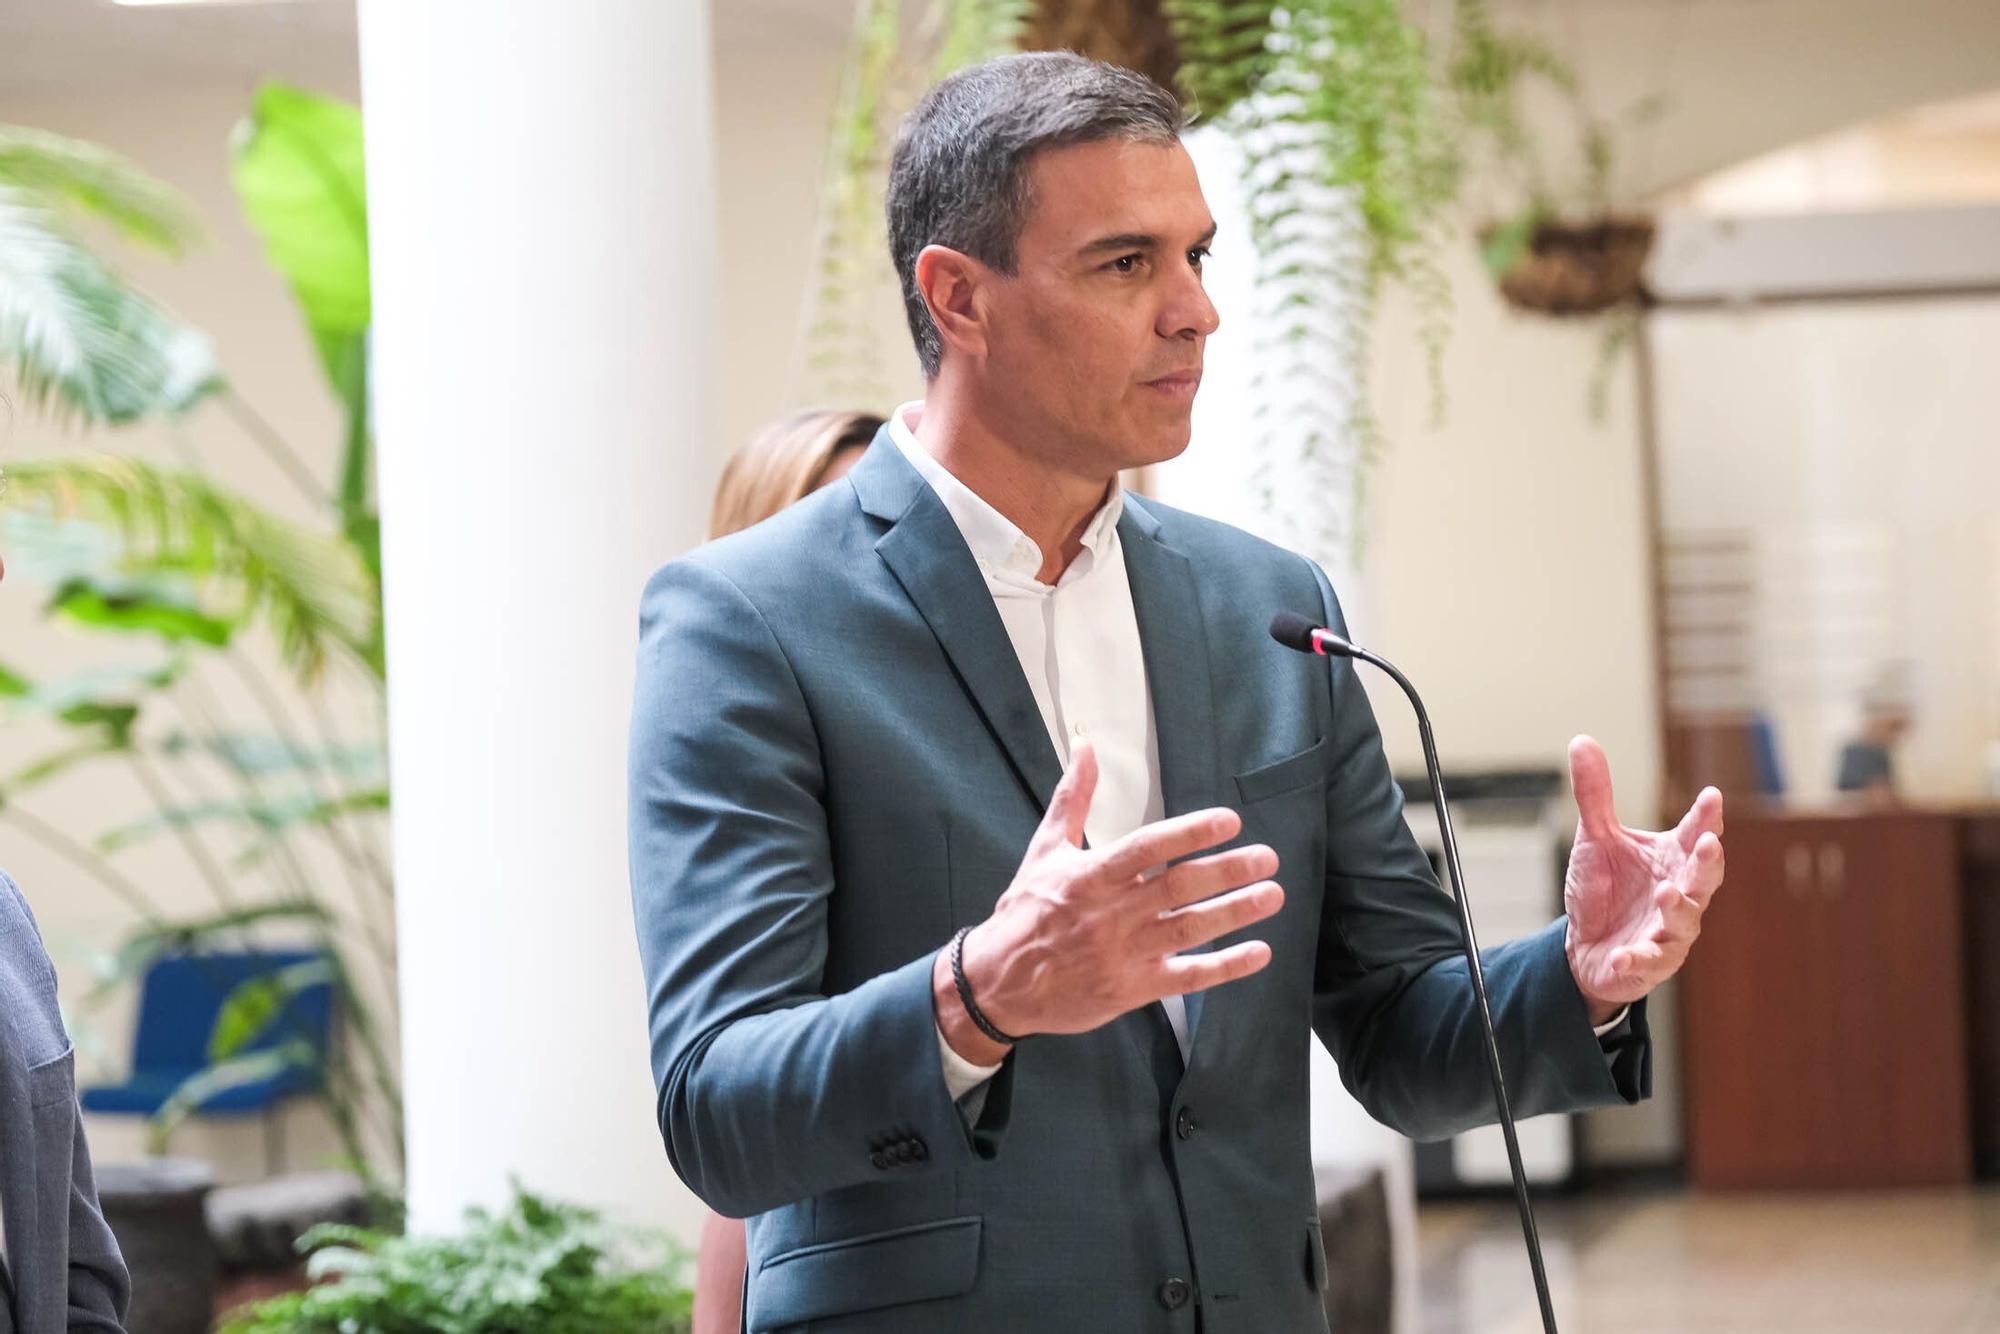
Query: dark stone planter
{"x": 1360, "y": 1252}
{"x": 156, "y": 1208}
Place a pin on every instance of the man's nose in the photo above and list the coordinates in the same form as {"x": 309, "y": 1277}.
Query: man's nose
{"x": 1190, "y": 310}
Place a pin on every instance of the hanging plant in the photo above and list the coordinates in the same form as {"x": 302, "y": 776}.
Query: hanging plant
{"x": 1347, "y": 173}
{"x": 1564, "y": 248}
{"x": 1340, "y": 117}
{"x": 843, "y": 355}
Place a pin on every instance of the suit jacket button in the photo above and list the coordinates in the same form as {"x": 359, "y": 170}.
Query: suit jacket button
{"x": 1185, "y": 1125}
{"x": 880, "y": 1159}
{"x": 919, "y": 1150}
{"x": 1173, "y": 1293}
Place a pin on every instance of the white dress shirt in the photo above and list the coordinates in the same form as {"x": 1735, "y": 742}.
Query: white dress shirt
{"x": 1078, "y": 642}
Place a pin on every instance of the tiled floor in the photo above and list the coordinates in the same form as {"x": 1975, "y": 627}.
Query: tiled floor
{"x": 1901, "y": 1262}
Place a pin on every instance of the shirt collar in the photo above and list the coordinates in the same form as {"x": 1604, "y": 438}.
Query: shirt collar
{"x": 995, "y": 540}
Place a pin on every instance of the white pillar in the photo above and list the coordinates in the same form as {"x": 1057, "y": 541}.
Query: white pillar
{"x": 540, "y": 177}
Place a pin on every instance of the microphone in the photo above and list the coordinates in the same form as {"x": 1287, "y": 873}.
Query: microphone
{"x": 1296, "y": 632}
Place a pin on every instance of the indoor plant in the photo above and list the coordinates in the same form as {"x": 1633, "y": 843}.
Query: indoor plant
{"x": 167, "y": 558}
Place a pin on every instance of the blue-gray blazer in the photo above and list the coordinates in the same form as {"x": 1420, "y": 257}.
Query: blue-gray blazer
{"x": 836, "y": 761}
{"x": 62, "y": 1269}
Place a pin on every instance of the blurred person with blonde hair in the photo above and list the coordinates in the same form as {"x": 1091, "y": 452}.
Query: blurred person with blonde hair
{"x": 790, "y": 458}
{"x": 786, "y": 460}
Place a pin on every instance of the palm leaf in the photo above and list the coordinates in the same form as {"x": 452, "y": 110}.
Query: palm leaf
{"x": 36, "y": 772}
{"x": 83, "y": 342}
{"x": 262, "y": 754}
{"x": 106, "y": 697}
{"x": 93, "y": 180}
{"x": 136, "y": 952}
{"x": 204, "y": 1085}
{"x": 309, "y": 587}
{"x": 266, "y": 816}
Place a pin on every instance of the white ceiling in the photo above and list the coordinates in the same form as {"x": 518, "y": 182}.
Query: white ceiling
{"x": 69, "y": 47}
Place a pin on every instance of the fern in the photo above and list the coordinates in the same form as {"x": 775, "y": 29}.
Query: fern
{"x": 841, "y": 356}
{"x": 542, "y": 1266}
{"x": 1347, "y": 171}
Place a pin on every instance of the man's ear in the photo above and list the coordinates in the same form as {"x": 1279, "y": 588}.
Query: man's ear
{"x": 955, "y": 287}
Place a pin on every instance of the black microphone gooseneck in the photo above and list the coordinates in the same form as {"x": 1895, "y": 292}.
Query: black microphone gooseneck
{"x": 1296, "y": 632}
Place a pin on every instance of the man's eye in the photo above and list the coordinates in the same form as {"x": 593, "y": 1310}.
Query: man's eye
{"x": 1198, "y": 254}
{"x": 1126, "y": 259}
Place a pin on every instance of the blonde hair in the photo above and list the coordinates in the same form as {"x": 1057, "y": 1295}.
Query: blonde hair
{"x": 784, "y": 462}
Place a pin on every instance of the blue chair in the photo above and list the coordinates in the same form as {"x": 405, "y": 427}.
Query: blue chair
{"x": 1764, "y": 755}
{"x": 179, "y": 999}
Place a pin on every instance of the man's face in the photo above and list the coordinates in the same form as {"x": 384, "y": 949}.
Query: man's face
{"x": 1106, "y": 299}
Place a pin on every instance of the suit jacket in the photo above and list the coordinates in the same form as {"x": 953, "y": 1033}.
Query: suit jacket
{"x": 836, "y": 761}
{"x": 62, "y": 1270}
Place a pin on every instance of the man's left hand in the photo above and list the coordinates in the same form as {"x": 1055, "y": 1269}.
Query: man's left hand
{"x": 1634, "y": 898}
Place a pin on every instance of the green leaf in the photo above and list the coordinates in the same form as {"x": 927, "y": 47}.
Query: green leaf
{"x": 137, "y": 951}
{"x": 106, "y": 697}
{"x": 262, "y": 754}
{"x": 537, "y": 1265}
{"x": 1507, "y": 244}
{"x": 254, "y": 1004}
{"x": 83, "y": 343}
{"x": 298, "y": 168}
{"x": 265, "y": 815}
{"x": 199, "y": 1088}
{"x": 298, "y": 164}
{"x": 92, "y": 180}
{"x": 154, "y": 604}
{"x": 36, "y": 772}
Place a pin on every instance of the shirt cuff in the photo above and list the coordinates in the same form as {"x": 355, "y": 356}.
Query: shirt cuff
{"x": 960, "y": 1075}
{"x": 1601, "y": 1030}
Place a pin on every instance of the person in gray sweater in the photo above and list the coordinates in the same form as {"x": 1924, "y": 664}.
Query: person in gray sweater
{"x": 60, "y": 1268}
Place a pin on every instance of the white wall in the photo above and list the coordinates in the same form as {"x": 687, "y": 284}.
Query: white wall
{"x": 1510, "y": 550}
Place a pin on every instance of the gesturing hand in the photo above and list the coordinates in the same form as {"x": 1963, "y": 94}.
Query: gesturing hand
{"x": 1083, "y": 935}
{"x": 1634, "y": 898}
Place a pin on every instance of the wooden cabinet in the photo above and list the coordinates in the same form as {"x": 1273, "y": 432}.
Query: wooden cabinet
{"x": 1823, "y": 1008}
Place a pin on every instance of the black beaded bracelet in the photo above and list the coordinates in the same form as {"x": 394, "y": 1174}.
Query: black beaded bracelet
{"x": 965, "y": 989}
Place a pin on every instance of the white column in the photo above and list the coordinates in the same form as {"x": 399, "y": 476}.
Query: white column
{"x": 540, "y": 179}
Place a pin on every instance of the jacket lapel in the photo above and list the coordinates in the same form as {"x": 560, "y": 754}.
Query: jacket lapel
{"x": 928, "y": 556}
{"x": 925, "y": 551}
{"x": 1174, "y": 643}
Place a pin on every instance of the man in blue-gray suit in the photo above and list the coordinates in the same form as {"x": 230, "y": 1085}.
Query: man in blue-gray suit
{"x": 993, "y": 867}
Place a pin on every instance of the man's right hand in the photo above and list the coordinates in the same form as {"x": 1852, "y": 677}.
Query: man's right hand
{"x": 1084, "y": 935}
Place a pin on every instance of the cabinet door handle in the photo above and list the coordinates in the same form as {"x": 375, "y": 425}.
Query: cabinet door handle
{"x": 1798, "y": 870}
{"x": 1832, "y": 870}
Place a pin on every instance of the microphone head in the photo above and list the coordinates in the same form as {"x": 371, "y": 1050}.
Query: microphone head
{"x": 1294, "y": 631}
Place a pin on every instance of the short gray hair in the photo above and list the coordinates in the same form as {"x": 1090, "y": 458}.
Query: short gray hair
{"x": 959, "y": 174}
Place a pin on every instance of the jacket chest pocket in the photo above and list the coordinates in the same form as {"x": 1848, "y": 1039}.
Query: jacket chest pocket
{"x": 1292, "y": 773}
